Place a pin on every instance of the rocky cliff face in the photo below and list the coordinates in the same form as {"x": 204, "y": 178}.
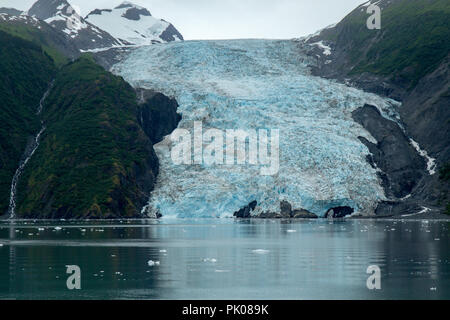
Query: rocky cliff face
{"x": 406, "y": 60}
{"x": 157, "y": 115}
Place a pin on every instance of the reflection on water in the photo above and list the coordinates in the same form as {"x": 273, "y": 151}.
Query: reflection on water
{"x": 225, "y": 259}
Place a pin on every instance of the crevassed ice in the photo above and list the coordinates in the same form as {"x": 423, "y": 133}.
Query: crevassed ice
{"x": 253, "y": 84}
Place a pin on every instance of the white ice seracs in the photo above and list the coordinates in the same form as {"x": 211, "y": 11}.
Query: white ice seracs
{"x": 253, "y": 84}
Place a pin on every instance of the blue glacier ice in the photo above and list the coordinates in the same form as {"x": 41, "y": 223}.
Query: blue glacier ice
{"x": 253, "y": 84}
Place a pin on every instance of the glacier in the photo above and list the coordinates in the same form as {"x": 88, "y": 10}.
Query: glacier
{"x": 253, "y": 84}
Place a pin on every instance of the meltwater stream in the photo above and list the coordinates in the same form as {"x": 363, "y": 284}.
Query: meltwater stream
{"x": 28, "y": 154}
{"x": 259, "y": 84}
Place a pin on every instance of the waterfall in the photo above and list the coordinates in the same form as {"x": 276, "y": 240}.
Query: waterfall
{"x": 28, "y": 154}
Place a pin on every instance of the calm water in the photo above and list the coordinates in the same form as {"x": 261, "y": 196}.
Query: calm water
{"x": 225, "y": 259}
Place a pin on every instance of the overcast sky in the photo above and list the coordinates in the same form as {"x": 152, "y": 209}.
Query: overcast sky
{"x": 230, "y": 19}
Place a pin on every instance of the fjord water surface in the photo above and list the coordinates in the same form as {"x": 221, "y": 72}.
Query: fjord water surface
{"x": 225, "y": 259}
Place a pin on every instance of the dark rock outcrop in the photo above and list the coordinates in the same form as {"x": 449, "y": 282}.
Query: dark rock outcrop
{"x": 303, "y": 214}
{"x": 246, "y": 211}
{"x": 170, "y": 33}
{"x": 286, "y": 212}
{"x": 98, "y": 12}
{"x": 157, "y": 115}
{"x": 402, "y": 167}
{"x": 339, "y": 212}
{"x": 285, "y": 209}
{"x": 136, "y": 13}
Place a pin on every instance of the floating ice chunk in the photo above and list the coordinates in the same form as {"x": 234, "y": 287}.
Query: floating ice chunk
{"x": 424, "y": 210}
{"x": 152, "y": 263}
{"x": 41, "y": 229}
{"x": 291, "y": 231}
{"x": 261, "y": 251}
{"x": 163, "y": 251}
{"x": 212, "y": 260}
{"x": 58, "y": 228}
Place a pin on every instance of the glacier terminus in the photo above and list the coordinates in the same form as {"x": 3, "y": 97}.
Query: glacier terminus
{"x": 253, "y": 85}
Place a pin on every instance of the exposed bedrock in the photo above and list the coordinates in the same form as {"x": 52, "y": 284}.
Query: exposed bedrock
{"x": 246, "y": 211}
{"x": 339, "y": 212}
{"x": 286, "y": 212}
{"x": 402, "y": 167}
{"x": 403, "y": 171}
{"x": 158, "y": 114}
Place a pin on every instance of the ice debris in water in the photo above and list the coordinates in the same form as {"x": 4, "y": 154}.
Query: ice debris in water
{"x": 152, "y": 263}
{"x": 212, "y": 260}
{"x": 261, "y": 251}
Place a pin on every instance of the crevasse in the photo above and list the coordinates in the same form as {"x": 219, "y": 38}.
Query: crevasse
{"x": 253, "y": 84}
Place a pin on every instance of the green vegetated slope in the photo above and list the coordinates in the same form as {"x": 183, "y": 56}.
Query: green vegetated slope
{"x": 25, "y": 72}
{"x": 94, "y": 160}
{"x": 52, "y": 42}
{"x": 413, "y": 40}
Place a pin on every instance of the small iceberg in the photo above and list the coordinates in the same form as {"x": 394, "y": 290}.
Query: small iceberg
{"x": 152, "y": 263}
{"x": 261, "y": 251}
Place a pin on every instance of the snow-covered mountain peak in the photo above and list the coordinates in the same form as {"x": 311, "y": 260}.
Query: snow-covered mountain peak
{"x": 62, "y": 16}
{"x": 52, "y": 10}
{"x": 134, "y": 24}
